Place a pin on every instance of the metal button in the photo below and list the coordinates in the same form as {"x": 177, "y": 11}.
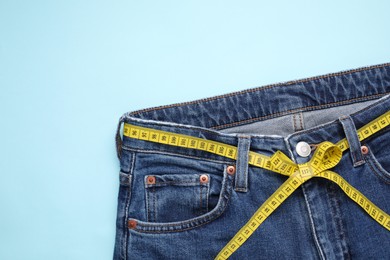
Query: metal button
{"x": 303, "y": 149}
{"x": 204, "y": 178}
{"x": 231, "y": 169}
{"x": 132, "y": 223}
{"x": 364, "y": 149}
{"x": 151, "y": 180}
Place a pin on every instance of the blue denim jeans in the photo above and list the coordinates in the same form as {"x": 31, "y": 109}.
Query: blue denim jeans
{"x": 176, "y": 216}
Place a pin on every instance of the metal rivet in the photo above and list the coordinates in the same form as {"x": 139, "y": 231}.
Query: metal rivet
{"x": 151, "y": 180}
{"x": 364, "y": 149}
{"x": 231, "y": 169}
{"x": 132, "y": 223}
{"x": 204, "y": 178}
{"x": 303, "y": 149}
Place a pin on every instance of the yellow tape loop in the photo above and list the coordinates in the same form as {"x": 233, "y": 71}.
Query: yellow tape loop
{"x": 326, "y": 156}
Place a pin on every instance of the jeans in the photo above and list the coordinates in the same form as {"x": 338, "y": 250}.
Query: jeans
{"x": 180, "y": 203}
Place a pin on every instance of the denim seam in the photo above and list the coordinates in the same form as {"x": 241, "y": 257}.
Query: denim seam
{"x": 317, "y": 243}
{"x": 312, "y": 225}
{"x": 118, "y": 139}
{"x": 200, "y": 129}
{"x": 332, "y": 123}
{"x": 301, "y": 120}
{"x": 333, "y": 214}
{"x": 147, "y": 205}
{"x": 261, "y": 88}
{"x": 296, "y": 117}
{"x": 187, "y": 221}
{"x": 207, "y": 195}
{"x": 157, "y": 184}
{"x": 287, "y": 112}
{"x": 376, "y": 168}
{"x": 355, "y": 161}
{"x": 186, "y": 127}
{"x": 307, "y": 205}
{"x": 377, "y": 103}
{"x": 129, "y": 193}
{"x": 227, "y": 189}
{"x": 294, "y": 123}
{"x": 126, "y": 176}
{"x": 151, "y": 203}
{"x": 155, "y": 203}
{"x": 241, "y": 176}
{"x": 290, "y": 150}
{"x": 301, "y": 109}
{"x": 179, "y": 230}
{"x": 200, "y": 195}
{"x": 203, "y": 189}
{"x": 176, "y": 154}
{"x": 343, "y": 236}
{"x": 334, "y": 203}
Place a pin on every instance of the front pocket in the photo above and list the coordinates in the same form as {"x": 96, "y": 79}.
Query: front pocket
{"x": 378, "y": 166}
{"x": 171, "y": 193}
{"x": 174, "y": 197}
{"x": 378, "y": 156}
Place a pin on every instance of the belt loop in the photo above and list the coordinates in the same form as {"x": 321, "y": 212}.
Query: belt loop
{"x": 353, "y": 140}
{"x": 241, "y": 182}
{"x": 118, "y": 139}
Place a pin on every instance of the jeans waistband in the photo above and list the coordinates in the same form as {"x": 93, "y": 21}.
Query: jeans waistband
{"x": 206, "y": 118}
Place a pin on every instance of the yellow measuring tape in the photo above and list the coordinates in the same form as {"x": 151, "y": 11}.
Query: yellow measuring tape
{"x": 325, "y": 157}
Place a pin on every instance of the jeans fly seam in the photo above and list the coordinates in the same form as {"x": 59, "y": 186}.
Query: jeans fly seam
{"x": 330, "y": 203}
{"x": 336, "y": 215}
{"x": 312, "y": 225}
{"x": 317, "y": 243}
{"x": 343, "y": 236}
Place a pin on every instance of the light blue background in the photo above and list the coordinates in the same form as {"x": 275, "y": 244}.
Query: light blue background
{"x": 70, "y": 69}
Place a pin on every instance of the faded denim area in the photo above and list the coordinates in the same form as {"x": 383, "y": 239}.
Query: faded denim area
{"x": 183, "y": 204}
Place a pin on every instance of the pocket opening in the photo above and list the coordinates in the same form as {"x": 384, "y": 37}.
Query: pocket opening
{"x": 376, "y": 166}
{"x": 194, "y": 222}
{"x": 184, "y": 194}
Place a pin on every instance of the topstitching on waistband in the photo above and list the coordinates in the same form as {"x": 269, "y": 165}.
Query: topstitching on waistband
{"x": 256, "y": 104}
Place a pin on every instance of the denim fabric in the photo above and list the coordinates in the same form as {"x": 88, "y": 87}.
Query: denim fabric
{"x": 179, "y": 217}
